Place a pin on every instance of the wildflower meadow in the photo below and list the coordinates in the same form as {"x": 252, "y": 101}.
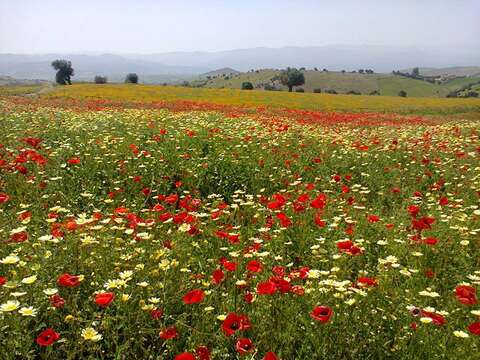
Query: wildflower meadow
{"x": 185, "y": 231}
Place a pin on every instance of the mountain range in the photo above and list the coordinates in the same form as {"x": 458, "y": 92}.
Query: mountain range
{"x": 177, "y": 66}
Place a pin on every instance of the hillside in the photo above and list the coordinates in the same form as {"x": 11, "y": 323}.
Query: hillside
{"x": 457, "y": 71}
{"x": 385, "y": 84}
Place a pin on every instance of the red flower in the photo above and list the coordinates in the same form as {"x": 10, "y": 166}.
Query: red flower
{"x": 202, "y": 353}
{"x": 284, "y": 220}
{"x": 373, "y": 218}
{"x": 322, "y": 313}
{"x": 194, "y": 297}
{"x": 169, "y": 333}
{"x": 218, "y": 276}
{"x": 234, "y": 322}
{"x": 431, "y": 241}
{"x": 104, "y": 299}
{"x": 413, "y": 210}
{"x": 19, "y": 237}
{"x": 366, "y": 281}
{"x": 271, "y": 356}
{"x": 68, "y": 280}
{"x": 4, "y": 198}
{"x": 73, "y": 161}
{"x": 3, "y": 280}
{"x": 47, "y": 337}
{"x": 319, "y": 202}
{"x": 466, "y": 294}
{"x": 156, "y": 314}
{"x": 244, "y": 346}
{"x": 185, "y": 356}
{"x": 474, "y": 328}
{"x": 57, "y": 301}
{"x": 436, "y": 318}
{"x": 266, "y": 288}
{"x": 254, "y": 266}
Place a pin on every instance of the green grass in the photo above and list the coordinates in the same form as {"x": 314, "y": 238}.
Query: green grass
{"x": 388, "y": 85}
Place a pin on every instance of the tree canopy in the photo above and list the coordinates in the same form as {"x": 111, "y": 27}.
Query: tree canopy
{"x": 292, "y": 77}
{"x": 64, "y": 71}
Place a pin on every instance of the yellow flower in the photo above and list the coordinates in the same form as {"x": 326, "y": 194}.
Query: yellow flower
{"x": 460, "y": 334}
{"x": 90, "y": 334}
{"x": 10, "y": 259}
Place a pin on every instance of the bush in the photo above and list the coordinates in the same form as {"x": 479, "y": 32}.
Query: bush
{"x": 131, "y": 78}
{"x": 247, "y": 85}
{"x": 300, "y": 90}
{"x": 375, "y": 92}
{"x": 330, "y": 91}
{"x": 402, "y": 93}
{"x": 100, "y": 79}
{"x": 353, "y": 92}
{"x": 270, "y": 87}
{"x": 317, "y": 91}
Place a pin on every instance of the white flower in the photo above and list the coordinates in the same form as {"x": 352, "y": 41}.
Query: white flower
{"x": 10, "y": 305}
{"x": 28, "y": 311}
{"x": 10, "y": 259}
{"x": 461, "y": 334}
{"x": 50, "y": 292}
{"x": 90, "y": 334}
{"x": 29, "y": 280}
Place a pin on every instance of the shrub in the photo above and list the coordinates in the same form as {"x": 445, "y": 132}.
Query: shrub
{"x": 402, "y": 93}
{"x": 247, "y": 85}
{"x": 375, "y": 92}
{"x": 331, "y": 91}
{"x": 300, "y": 90}
{"x": 353, "y": 92}
{"x": 270, "y": 87}
{"x": 131, "y": 78}
{"x": 100, "y": 79}
{"x": 317, "y": 91}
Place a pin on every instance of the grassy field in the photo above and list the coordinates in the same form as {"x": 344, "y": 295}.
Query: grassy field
{"x": 388, "y": 85}
{"x": 306, "y": 101}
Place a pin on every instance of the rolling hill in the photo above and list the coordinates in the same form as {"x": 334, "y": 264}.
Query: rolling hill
{"x": 384, "y": 84}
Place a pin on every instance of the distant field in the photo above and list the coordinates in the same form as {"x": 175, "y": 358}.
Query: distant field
{"x": 307, "y": 101}
{"x": 386, "y": 84}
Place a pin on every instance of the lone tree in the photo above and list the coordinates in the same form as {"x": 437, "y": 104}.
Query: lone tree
{"x": 292, "y": 77}
{"x": 402, "y": 93}
{"x": 131, "y": 78}
{"x": 100, "y": 79}
{"x": 247, "y": 85}
{"x": 64, "y": 71}
{"x": 416, "y": 72}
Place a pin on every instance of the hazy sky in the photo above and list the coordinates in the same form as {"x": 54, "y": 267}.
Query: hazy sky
{"x": 142, "y": 26}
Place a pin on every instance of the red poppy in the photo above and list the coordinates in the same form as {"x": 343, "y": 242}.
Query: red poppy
{"x": 244, "y": 346}
{"x": 271, "y": 356}
{"x": 234, "y": 322}
{"x": 47, "y": 337}
{"x": 443, "y": 201}
{"x": 467, "y": 295}
{"x": 3, "y": 280}
{"x": 169, "y": 333}
{"x": 4, "y": 198}
{"x": 366, "y": 281}
{"x": 254, "y": 266}
{"x": 319, "y": 202}
{"x": 73, "y": 161}
{"x": 57, "y": 301}
{"x": 194, "y": 297}
{"x": 436, "y": 318}
{"x": 156, "y": 314}
{"x": 202, "y": 353}
{"x": 19, "y": 237}
{"x": 284, "y": 220}
{"x": 218, "y": 276}
{"x": 68, "y": 280}
{"x": 104, "y": 299}
{"x": 266, "y": 288}
{"x": 185, "y": 356}
{"x": 373, "y": 218}
{"x": 474, "y": 328}
{"x": 322, "y": 314}
{"x": 431, "y": 241}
